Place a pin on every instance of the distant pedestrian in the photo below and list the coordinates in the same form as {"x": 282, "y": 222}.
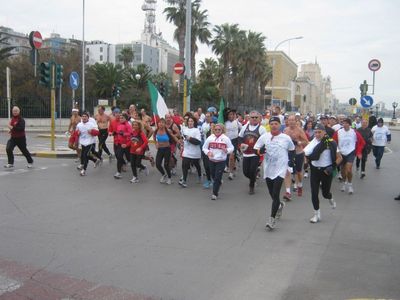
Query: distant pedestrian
{"x": 366, "y": 133}
{"x": 380, "y": 137}
{"x": 17, "y": 138}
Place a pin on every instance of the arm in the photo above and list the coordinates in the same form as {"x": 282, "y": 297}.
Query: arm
{"x": 20, "y": 126}
{"x": 359, "y": 144}
{"x": 388, "y": 136}
{"x": 205, "y": 146}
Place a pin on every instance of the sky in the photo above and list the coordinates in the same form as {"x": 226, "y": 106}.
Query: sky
{"x": 341, "y": 35}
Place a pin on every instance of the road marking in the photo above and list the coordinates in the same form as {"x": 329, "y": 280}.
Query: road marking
{"x": 8, "y": 285}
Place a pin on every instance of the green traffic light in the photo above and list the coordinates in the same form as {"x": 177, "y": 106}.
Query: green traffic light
{"x": 45, "y": 74}
{"x": 59, "y": 75}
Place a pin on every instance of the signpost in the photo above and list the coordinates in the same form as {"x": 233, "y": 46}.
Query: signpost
{"x": 366, "y": 101}
{"x": 352, "y": 101}
{"x": 74, "y": 84}
{"x": 179, "y": 68}
{"x": 374, "y": 65}
{"x": 36, "y": 41}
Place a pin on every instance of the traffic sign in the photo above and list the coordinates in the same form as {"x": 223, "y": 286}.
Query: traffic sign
{"x": 374, "y": 65}
{"x": 353, "y": 101}
{"x": 74, "y": 80}
{"x": 179, "y": 68}
{"x": 366, "y": 101}
{"x": 35, "y": 39}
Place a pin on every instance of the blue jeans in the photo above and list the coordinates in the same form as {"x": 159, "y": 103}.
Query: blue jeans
{"x": 216, "y": 170}
{"x": 378, "y": 153}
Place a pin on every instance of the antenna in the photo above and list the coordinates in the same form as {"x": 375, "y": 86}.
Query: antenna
{"x": 149, "y": 6}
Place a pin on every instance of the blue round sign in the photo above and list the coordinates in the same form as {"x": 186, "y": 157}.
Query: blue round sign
{"x": 366, "y": 101}
{"x": 74, "y": 80}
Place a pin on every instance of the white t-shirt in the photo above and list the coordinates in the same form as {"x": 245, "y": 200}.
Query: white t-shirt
{"x": 205, "y": 129}
{"x": 379, "y": 135}
{"x": 336, "y": 127}
{"x": 232, "y": 129}
{"x": 85, "y": 138}
{"x": 325, "y": 158}
{"x": 190, "y": 150}
{"x": 347, "y": 141}
{"x": 276, "y": 157}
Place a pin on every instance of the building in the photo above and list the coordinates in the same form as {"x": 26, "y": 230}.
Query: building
{"x": 59, "y": 45}
{"x": 15, "y": 39}
{"x": 99, "y": 52}
{"x": 282, "y": 84}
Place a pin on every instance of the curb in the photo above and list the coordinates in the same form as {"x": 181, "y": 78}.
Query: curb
{"x": 53, "y": 154}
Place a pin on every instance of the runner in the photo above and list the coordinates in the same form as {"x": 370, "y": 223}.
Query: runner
{"x": 174, "y": 130}
{"x": 17, "y": 138}
{"x": 87, "y": 132}
{"x": 232, "y": 127}
{"x": 138, "y": 147}
{"x": 321, "y": 154}
{"x": 366, "y": 133}
{"x": 102, "y": 122}
{"x": 279, "y": 150}
{"x": 73, "y": 141}
{"x": 191, "y": 150}
{"x": 248, "y": 136}
{"x": 206, "y": 130}
{"x": 163, "y": 137}
{"x": 350, "y": 144}
{"x": 300, "y": 140}
{"x": 217, "y": 147}
{"x": 122, "y": 140}
{"x": 148, "y": 130}
{"x": 380, "y": 137}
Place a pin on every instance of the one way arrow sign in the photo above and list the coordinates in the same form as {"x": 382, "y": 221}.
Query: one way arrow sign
{"x": 74, "y": 80}
{"x": 366, "y": 101}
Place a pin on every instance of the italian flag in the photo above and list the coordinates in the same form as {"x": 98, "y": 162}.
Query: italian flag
{"x": 158, "y": 105}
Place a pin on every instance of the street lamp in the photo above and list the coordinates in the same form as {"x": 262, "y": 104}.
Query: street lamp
{"x": 83, "y": 55}
{"x": 273, "y": 64}
{"x": 394, "y": 104}
{"x": 137, "y": 76}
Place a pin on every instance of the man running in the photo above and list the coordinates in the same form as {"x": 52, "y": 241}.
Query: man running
{"x": 73, "y": 141}
{"x": 102, "y": 122}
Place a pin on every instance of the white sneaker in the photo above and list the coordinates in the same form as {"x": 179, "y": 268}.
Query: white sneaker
{"x": 79, "y": 167}
{"x": 230, "y": 176}
{"x": 169, "y": 182}
{"x": 344, "y": 187}
{"x": 271, "y": 223}
{"x": 83, "y": 173}
{"x": 163, "y": 179}
{"x": 97, "y": 163}
{"x": 280, "y": 209}
{"x": 213, "y": 197}
{"x": 134, "y": 180}
{"x": 316, "y": 217}
{"x": 350, "y": 190}
{"x": 305, "y": 174}
{"x": 332, "y": 203}
{"x": 8, "y": 166}
{"x": 29, "y": 166}
{"x": 117, "y": 175}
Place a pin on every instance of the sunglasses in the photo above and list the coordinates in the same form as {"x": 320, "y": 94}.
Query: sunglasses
{"x": 254, "y": 117}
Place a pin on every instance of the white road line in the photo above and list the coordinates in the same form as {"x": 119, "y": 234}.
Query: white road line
{"x": 8, "y": 285}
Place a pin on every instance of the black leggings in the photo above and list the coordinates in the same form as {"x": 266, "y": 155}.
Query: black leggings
{"x": 21, "y": 144}
{"x": 187, "y": 162}
{"x": 120, "y": 153}
{"x": 250, "y": 165}
{"x": 274, "y": 188}
{"x": 319, "y": 178}
{"x": 103, "y": 135}
{"x": 216, "y": 171}
{"x": 87, "y": 155}
{"x": 363, "y": 160}
{"x": 136, "y": 162}
{"x": 206, "y": 165}
{"x": 163, "y": 153}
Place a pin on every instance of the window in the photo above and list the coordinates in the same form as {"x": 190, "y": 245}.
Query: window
{"x": 101, "y": 57}
{"x": 87, "y": 50}
{"x": 101, "y": 49}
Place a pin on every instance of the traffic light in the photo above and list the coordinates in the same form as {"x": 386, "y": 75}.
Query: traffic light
{"x": 118, "y": 92}
{"x": 45, "y": 74}
{"x": 59, "y": 75}
{"x": 162, "y": 89}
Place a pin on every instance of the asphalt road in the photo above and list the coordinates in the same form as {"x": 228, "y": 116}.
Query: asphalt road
{"x": 167, "y": 242}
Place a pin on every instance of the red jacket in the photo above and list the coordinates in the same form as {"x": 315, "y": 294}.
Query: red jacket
{"x": 359, "y": 144}
{"x": 18, "y": 125}
{"x": 138, "y": 141}
{"x": 123, "y": 134}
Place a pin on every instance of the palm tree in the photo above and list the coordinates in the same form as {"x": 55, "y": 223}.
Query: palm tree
{"x": 209, "y": 72}
{"x": 104, "y": 76}
{"x": 126, "y": 56}
{"x": 5, "y": 51}
{"x": 145, "y": 74}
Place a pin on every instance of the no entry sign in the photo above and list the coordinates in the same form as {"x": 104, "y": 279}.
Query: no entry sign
{"x": 35, "y": 39}
{"x": 179, "y": 68}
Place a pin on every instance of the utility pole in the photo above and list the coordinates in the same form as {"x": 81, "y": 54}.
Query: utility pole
{"x": 188, "y": 67}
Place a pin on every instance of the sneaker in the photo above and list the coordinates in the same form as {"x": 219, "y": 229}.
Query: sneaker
{"x": 271, "y": 224}
{"x": 357, "y": 169}
{"x": 340, "y": 177}
{"x": 397, "y": 198}
{"x": 305, "y": 174}
{"x": 97, "y": 163}
{"x": 350, "y": 190}
{"x": 173, "y": 171}
{"x": 280, "y": 209}
{"x": 29, "y": 166}
{"x": 83, "y": 173}
{"x": 169, "y": 182}
{"x": 213, "y": 197}
{"x": 344, "y": 187}
{"x": 362, "y": 175}
{"x": 230, "y": 176}
{"x": 79, "y": 167}
{"x": 316, "y": 217}
{"x": 300, "y": 191}
{"x": 226, "y": 170}
{"x": 163, "y": 179}
{"x": 294, "y": 189}
{"x": 251, "y": 190}
{"x": 183, "y": 184}
{"x": 110, "y": 157}
{"x": 117, "y": 175}
{"x": 207, "y": 184}
{"x": 134, "y": 180}
{"x": 146, "y": 171}
{"x": 287, "y": 196}
{"x": 9, "y": 166}
{"x": 180, "y": 181}
{"x": 332, "y": 203}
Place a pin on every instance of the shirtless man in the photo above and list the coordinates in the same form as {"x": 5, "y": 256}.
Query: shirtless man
{"x": 300, "y": 140}
{"x": 73, "y": 141}
{"x": 102, "y": 121}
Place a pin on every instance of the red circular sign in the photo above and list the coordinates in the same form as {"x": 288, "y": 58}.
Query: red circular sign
{"x": 179, "y": 68}
{"x": 374, "y": 65}
{"x": 35, "y": 39}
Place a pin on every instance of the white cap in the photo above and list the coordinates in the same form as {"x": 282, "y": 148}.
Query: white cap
{"x": 297, "y": 114}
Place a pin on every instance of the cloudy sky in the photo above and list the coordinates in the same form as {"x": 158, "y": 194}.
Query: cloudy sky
{"x": 342, "y": 35}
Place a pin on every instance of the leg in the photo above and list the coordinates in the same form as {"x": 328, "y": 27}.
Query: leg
{"x": 185, "y": 167}
{"x": 206, "y": 165}
{"x": 159, "y": 158}
{"x": 253, "y": 165}
{"x": 274, "y": 187}
{"x": 21, "y": 143}
{"x": 167, "y": 157}
{"x": 218, "y": 172}
{"x": 315, "y": 180}
{"x": 10, "y": 150}
{"x": 134, "y": 164}
{"x": 120, "y": 157}
{"x": 85, "y": 156}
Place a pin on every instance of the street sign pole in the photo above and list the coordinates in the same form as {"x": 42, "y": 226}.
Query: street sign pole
{"x": 35, "y": 64}
{"x": 53, "y": 104}
{"x": 188, "y": 60}
{"x": 373, "y": 83}
{"x": 59, "y": 96}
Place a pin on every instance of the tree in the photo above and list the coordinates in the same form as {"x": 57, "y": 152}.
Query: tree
{"x": 126, "y": 56}
{"x": 5, "y": 51}
{"x": 209, "y": 72}
{"x": 103, "y": 77}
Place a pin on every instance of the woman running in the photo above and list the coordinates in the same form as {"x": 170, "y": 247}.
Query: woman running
{"x": 122, "y": 141}
{"x": 139, "y": 144}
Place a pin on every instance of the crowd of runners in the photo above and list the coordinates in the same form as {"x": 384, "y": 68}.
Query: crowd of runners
{"x": 280, "y": 147}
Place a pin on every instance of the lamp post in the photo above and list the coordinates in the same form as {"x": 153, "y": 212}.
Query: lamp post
{"x": 394, "y": 104}
{"x": 83, "y": 55}
{"x": 376, "y": 109}
{"x": 137, "y": 77}
{"x": 273, "y": 64}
